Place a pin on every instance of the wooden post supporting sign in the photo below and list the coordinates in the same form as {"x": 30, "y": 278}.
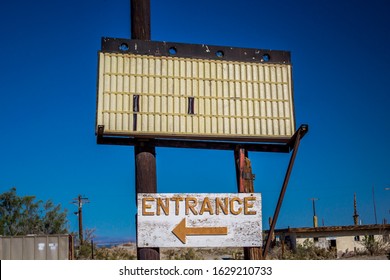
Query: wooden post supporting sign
{"x": 145, "y": 153}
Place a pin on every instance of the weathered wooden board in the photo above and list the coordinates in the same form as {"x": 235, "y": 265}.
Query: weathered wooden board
{"x": 199, "y": 220}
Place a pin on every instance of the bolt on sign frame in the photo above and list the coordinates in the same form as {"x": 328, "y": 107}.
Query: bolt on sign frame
{"x": 162, "y": 90}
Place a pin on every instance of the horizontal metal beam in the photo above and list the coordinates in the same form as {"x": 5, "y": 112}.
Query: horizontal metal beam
{"x": 200, "y": 51}
{"x": 211, "y": 145}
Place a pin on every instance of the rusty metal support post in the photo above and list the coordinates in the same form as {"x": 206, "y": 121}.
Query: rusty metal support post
{"x": 239, "y": 158}
{"x": 245, "y": 179}
{"x": 144, "y": 152}
{"x": 301, "y": 131}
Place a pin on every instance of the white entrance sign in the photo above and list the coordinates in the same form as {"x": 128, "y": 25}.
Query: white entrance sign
{"x": 199, "y": 220}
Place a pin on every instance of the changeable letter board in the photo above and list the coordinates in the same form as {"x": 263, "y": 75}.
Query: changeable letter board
{"x": 150, "y": 89}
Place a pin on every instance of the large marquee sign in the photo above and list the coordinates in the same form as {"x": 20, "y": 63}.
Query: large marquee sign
{"x": 149, "y": 89}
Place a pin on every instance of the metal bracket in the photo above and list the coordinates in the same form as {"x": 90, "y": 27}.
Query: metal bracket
{"x": 99, "y": 134}
{"x": 100, "y": 130}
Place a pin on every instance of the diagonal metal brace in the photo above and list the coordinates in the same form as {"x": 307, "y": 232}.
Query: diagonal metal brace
{"x": 295, "y": 144}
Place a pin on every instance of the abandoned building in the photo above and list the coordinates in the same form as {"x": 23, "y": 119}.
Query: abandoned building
{"x": 343, "y": 239}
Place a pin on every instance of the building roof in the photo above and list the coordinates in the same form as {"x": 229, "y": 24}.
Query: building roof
{"x": 335, "y": 230}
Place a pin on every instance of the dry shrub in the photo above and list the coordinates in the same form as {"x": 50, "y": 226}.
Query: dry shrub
{"x": 114, "y": 254}
{"x": 305, "y": 251}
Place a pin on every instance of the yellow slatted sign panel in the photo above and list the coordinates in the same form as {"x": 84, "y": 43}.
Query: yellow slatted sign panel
{"x": 180, "y": 97}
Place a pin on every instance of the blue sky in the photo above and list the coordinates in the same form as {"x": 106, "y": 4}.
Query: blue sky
{"x": 340, "y": 54}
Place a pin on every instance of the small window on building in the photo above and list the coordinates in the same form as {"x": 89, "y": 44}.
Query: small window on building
{"x": 357, "y": 238}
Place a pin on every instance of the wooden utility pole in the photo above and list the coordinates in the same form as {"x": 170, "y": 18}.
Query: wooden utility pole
{"x": 245, "y": 179}
{"x": 79, "y": 202}
{"x": 144, "y": 152}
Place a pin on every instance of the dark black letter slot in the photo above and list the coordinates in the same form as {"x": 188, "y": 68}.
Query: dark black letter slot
{"x": 135, "y": 110}
{"x": 191, "y": 101}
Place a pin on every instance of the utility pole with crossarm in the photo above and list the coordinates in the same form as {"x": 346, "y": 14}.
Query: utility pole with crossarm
{"x": 79, "y": 202}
